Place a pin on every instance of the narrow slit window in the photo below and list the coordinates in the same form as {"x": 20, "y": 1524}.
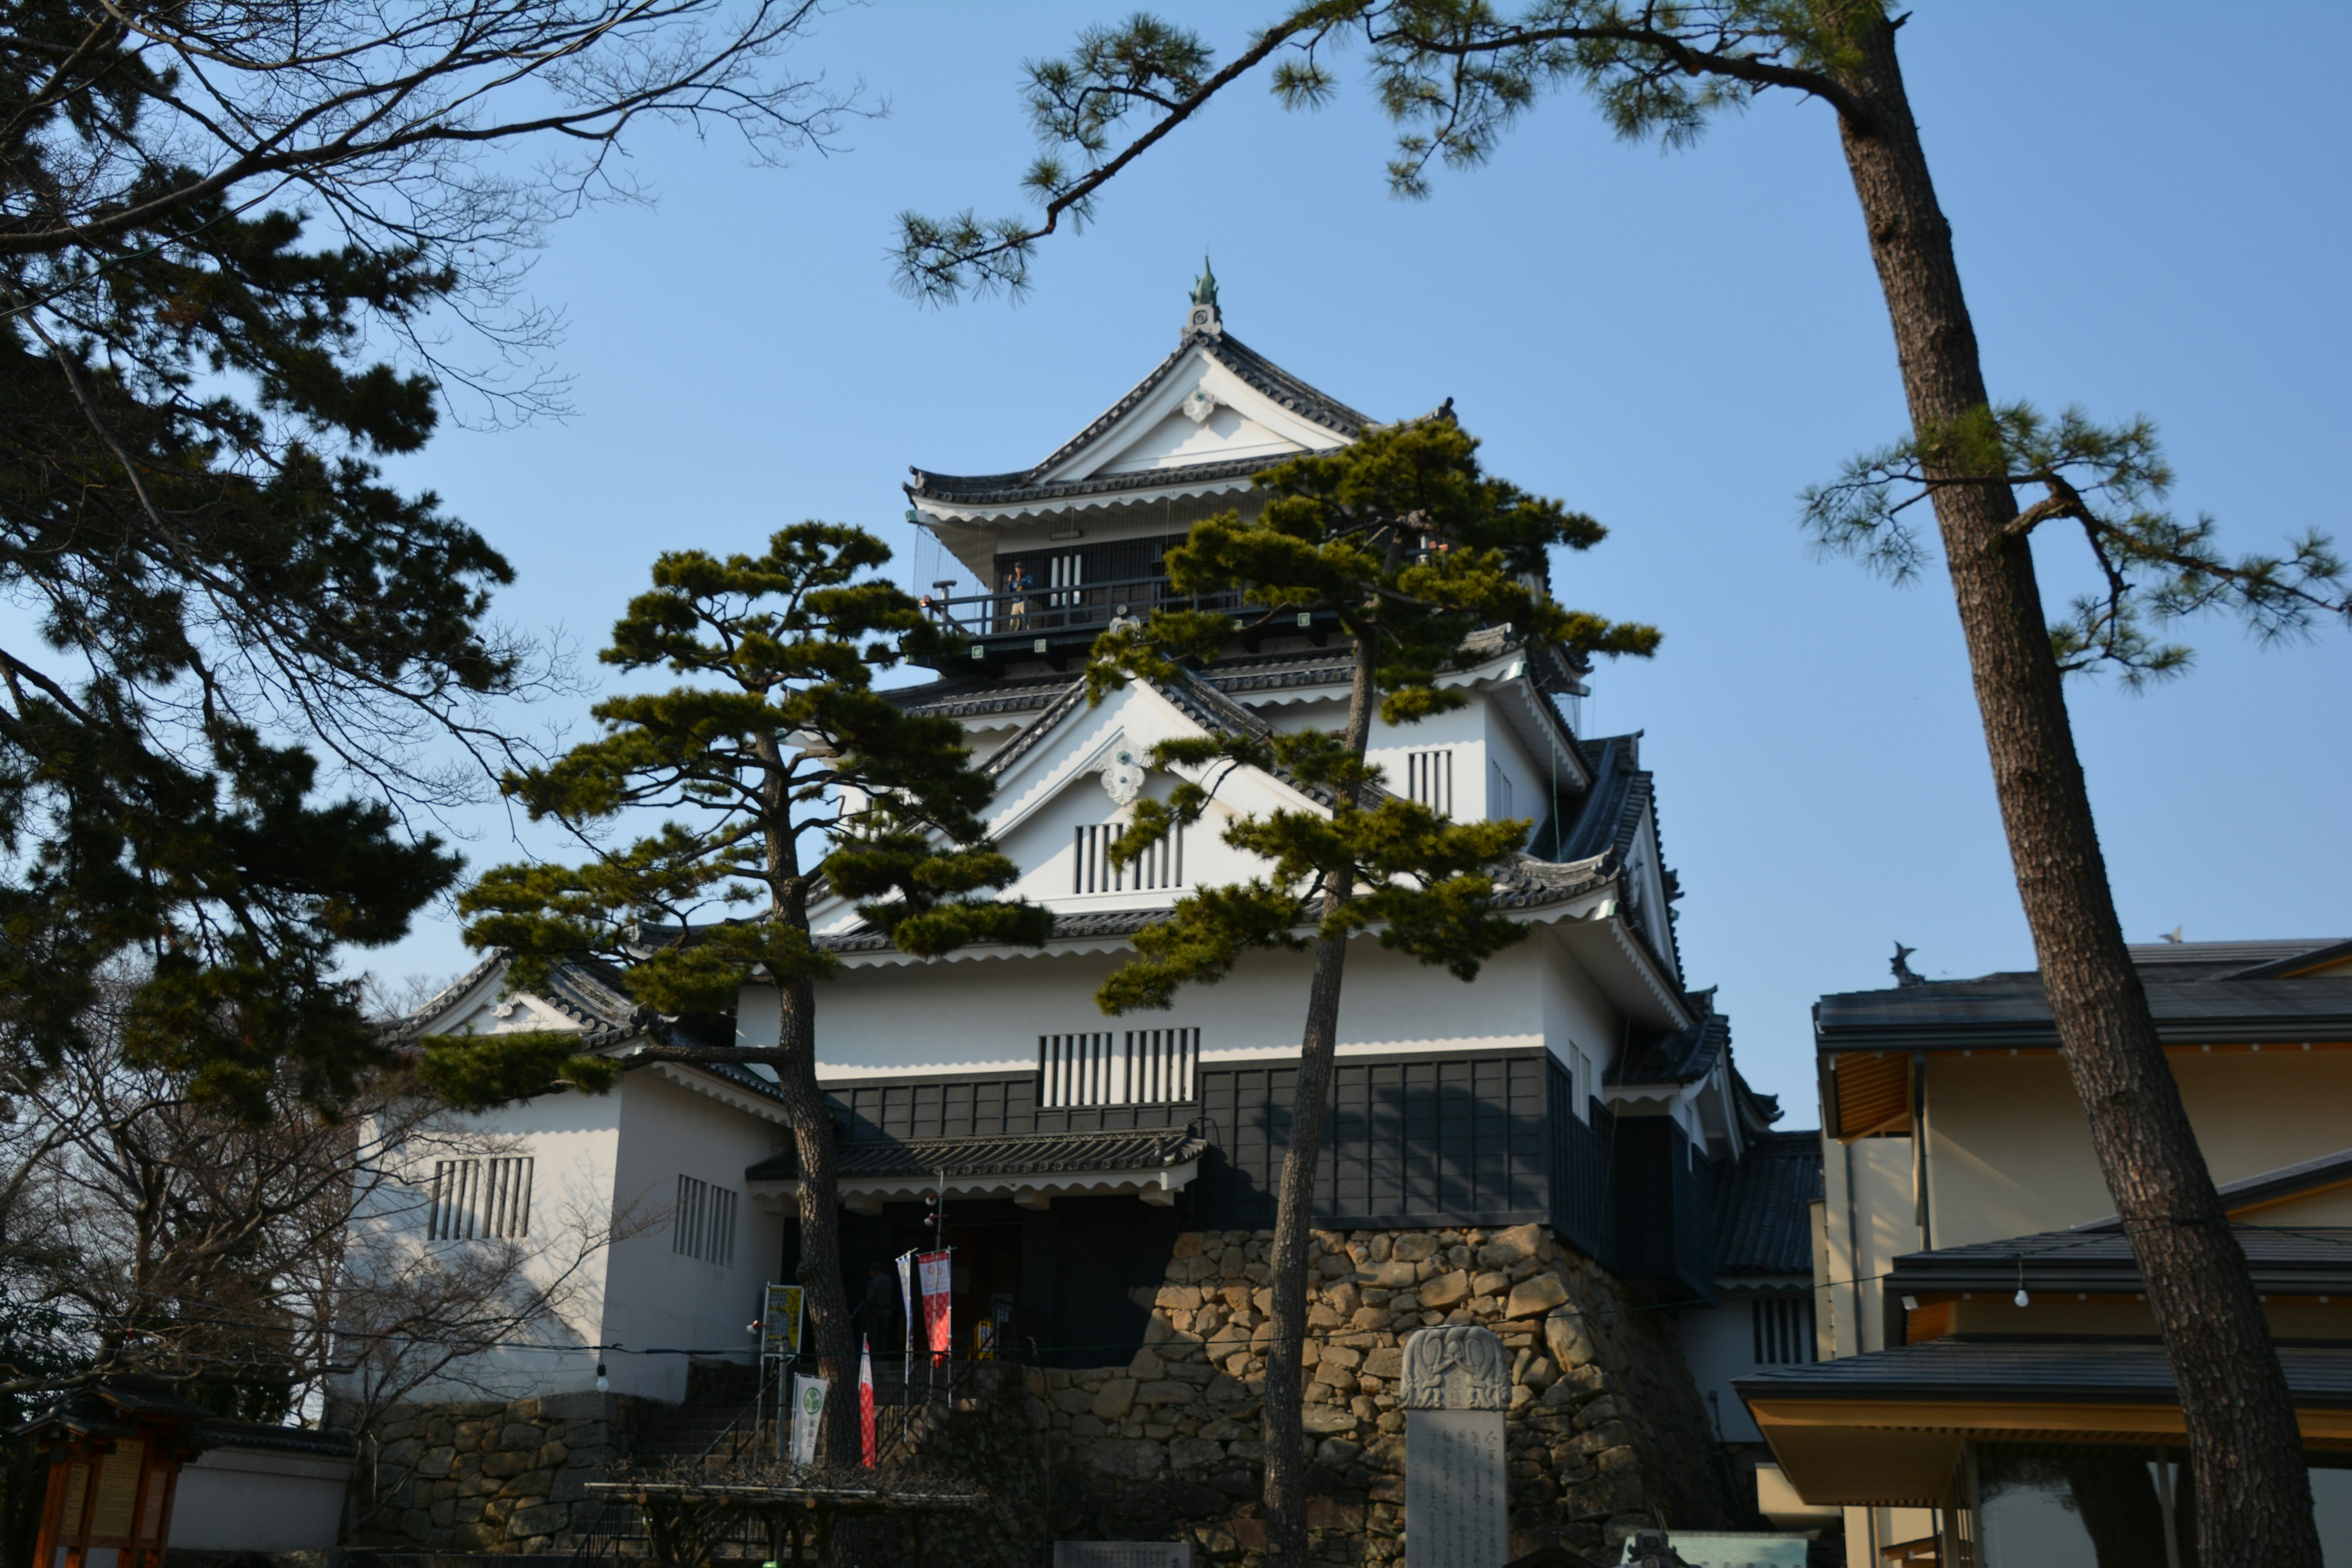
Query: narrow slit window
{"x": 477, "y": 1199}
{"x": 1159, "y": 868}
{"x": 1429, "y": 780}
{"x": 702, "y": 1225}
{"x": 1134, "y": 1067}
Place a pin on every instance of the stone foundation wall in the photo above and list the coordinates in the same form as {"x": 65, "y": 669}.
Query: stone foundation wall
{"x": 490, "y": 1477}
{"x": 1606, "y": 1432}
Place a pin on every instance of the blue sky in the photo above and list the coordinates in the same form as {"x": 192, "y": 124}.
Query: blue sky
{"x": 2149, "y": 219}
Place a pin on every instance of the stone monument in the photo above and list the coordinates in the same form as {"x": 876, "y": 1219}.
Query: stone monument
{"x": 1456, "y": 1386}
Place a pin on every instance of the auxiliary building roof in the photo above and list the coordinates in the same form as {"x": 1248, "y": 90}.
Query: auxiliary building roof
{"x": 2201, "y": 994}
{"x": 1887, "y": 1427}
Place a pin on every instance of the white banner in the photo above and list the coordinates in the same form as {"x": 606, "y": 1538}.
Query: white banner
{"x": 808, "y": 1416}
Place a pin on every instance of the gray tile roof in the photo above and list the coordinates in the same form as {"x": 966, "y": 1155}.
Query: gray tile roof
{"x": 1254, "y": 368}
{"x": 1683, "y": 1056}
{"x": 1020, "y": 1154}
{"x": 970, "y": 699}
{"x": 1763, "y": 1209}
{"x": 2315, "y": 1260}
{"x": 2195, "y": 1002}
{"x": 592, "y": 993}
{"x": 1964, "y": 1367}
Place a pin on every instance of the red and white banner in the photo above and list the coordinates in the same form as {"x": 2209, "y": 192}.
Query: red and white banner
{"x": 938, "y": 1276}
{"x": 866, "y": 1437}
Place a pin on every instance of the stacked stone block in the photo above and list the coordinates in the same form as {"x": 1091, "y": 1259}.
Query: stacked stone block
{"x": 1605, "y": 1429}
{"x": 489, "y": 1477}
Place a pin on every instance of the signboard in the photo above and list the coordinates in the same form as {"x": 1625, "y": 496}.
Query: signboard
{"x": 936, "y": 1272}
{"x": 780, "y": 1321}
{"x": 808, "y": 1416}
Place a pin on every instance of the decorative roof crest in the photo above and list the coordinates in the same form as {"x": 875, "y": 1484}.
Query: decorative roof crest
{"x": 1202, "y": 318}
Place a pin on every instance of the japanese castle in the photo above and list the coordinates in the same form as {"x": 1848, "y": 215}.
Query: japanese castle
{"x": 1582, "y": 1085}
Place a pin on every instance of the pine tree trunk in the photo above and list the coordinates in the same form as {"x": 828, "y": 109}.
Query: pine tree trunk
{"x": 1285, "y": 1386}
{"x": 2253, "y": 1496}
{"x": 824, "y": 1298}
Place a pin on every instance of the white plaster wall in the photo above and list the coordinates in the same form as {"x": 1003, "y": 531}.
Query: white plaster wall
{"x": 237, "y": 1500}
{"x": 660, "y": 1299}
{"x": 1719, "y": 1342}
{"x": 985, "y": 1011}
{"x": 572, "y": 1141}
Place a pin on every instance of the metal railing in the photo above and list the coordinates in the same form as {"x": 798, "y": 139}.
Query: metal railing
{"x": 1006, "y": 615}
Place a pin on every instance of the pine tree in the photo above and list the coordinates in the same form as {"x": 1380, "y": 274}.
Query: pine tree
{"x": 774, "y": 741}
{"x": 242, "y": 662}
{"x": 1411, "y": 549}
{"x": 1457, "y": 74}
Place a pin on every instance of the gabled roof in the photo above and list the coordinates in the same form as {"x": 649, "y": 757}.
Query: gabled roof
{"x": 1763, "y": 1210}
{"x": 1319, "y": 409}
{"x": 593, "y": 994}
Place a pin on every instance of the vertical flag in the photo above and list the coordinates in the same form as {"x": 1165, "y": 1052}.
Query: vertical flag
{"x": 938, "y": 1278}
{"x": 867, "y": 1434}
{"x": 907, "y": 1297}
{"x": 808, "y": 1413}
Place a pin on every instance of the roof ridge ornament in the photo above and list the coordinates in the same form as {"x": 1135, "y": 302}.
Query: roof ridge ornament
{"x": 1203, "y": 319}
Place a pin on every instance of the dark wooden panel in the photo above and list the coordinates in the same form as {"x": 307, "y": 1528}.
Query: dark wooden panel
{"x": 1665, "y": 1212}
{"x": 1441, "y": 1140}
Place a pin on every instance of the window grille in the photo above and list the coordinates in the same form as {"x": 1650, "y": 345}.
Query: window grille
{"x": 1498, "y": 799}
{"x": 1136, "y": 1066}
{"x": 1160, "y": 867}
{"x": 1783, "y": 1328}
{"x": 703, "y": 1223}
{"x": 1429, "y": 780}
{"x": 480, "y": 1198}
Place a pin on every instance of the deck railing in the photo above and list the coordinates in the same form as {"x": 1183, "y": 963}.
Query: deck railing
{"x": 1054, "y": 612}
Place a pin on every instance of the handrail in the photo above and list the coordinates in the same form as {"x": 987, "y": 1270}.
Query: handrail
{"x": 1080, "y": 606}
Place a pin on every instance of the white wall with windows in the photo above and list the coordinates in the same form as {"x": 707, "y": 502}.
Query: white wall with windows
{"x": 535, "y": 1176}
{"x": 689, "y": 1278}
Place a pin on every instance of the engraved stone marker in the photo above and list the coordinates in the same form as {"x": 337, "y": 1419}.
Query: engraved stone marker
{"x": 1122, "y": 1554}
{"x": 1455, "y": 1385}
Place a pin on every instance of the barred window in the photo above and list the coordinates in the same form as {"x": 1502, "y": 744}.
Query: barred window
{"x": 480, "y": 1198}
{"x": 1134, "y": 1067}
{"x": 703, "y": 1223}
{"x": 1499, "y": 797}
{"x": 1783, "y": 1327}
{"x": 1161, "y": 865}
{"x": 1429, "y": 780}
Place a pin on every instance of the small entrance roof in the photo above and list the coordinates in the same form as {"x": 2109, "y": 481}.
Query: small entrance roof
{"x": 1032, "y": 1169}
